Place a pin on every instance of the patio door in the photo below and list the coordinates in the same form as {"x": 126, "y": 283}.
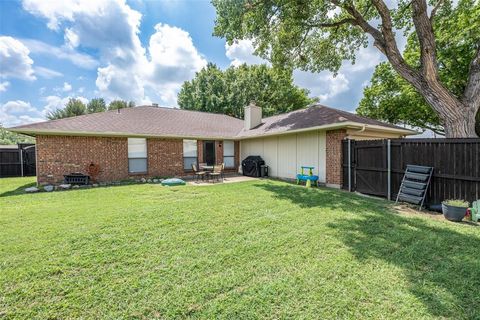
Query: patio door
{"x": 209, "y": 152}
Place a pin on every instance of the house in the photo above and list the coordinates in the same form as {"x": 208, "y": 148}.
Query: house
{"x": 149, "y": 141}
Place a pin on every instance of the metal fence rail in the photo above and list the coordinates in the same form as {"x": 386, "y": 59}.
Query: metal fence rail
{"x": 376, "y": 167}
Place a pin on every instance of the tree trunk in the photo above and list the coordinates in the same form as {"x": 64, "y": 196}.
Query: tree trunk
{"x": 461, "y": 124}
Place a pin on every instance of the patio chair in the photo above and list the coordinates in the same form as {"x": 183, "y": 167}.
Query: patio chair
{"x": 216, "y": 173}
{"x": 197, "y": 174}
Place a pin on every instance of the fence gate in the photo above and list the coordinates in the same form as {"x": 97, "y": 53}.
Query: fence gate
{"x": 376, "y": 167}
{"x": 18, "y": 162}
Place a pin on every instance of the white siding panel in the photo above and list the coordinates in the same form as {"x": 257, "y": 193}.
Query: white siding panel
{"x": 270, "y": 155}
{"x": 285, "y": 154}
{"x": 322, "y": 158}
{"x": 307, "y": 150}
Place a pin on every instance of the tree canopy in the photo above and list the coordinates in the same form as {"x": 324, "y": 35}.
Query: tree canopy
{"x": 120, "y": 104}
{"x": 229, "y": 91}
{"x": 390, "y": 98}
{"x": 7, "y": 137}
{"x": 321, "y": 34}
{"x": 76, "y": 107}
{"x": 96, "y": 105}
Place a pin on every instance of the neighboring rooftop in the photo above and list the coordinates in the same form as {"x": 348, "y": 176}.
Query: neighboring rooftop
{"x": 170, "y": 122}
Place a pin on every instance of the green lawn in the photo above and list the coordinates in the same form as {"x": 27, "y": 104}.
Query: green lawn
{"x": 258, "y": 249}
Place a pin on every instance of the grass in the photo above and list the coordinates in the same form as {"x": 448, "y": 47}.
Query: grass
{"x": 258, "y": 249}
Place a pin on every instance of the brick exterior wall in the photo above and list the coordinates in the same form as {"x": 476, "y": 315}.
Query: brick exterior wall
{"x": 165, "y": 157}
{"x": 59, "y": 155}
{"x": 334, "y": 159}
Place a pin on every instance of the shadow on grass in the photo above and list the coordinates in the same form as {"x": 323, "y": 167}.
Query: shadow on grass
{"x": 19, "y": 190}
{"x": 321, "y": 197}
{"x": 442, "y": 266}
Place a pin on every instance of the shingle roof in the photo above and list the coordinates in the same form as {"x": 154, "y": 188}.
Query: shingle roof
{"x": 313, "y": 116}
{"x": 169, "y": 122}
{"x": 145, "y": 120}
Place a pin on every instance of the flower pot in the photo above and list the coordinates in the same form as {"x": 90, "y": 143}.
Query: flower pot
{"x": 453, "y": 213}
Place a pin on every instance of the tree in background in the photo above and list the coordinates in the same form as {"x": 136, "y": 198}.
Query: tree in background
{"x": 7, "y": 137}
{"x": 96, "y": 105}
{"x": 120, "y": 104}
{"x": 229, "y": 91}
{"x": 74, "y": 107}
{"x": 320, "y": 35}
{"x": 390, "y": 98}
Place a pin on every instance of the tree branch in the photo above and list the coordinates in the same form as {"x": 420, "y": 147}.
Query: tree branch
{"x": 471, "y": 95}
{"x": 426, "y": 38}
{"x": 434, "y": 10}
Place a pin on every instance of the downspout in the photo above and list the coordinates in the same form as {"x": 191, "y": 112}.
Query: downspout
{"x": 361, "y": 130}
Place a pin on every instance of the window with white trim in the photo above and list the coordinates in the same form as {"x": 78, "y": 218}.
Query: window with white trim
{"x": 229, "y": 153}
{"x": 189, "y": 154}
{"x": 137, "y": 155}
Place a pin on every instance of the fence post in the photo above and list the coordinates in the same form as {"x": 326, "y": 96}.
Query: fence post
{"x": 20, "y": 150}
{"x": 349, "y": 165}
{"x": 389, "y": 169}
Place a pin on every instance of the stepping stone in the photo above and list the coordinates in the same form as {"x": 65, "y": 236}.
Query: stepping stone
{"x": 31, "y": 190}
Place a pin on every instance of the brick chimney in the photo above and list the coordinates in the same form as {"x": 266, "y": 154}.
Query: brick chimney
{"x": 252, "y": 116}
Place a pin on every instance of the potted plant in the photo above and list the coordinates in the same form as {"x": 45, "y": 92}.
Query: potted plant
{"x": 454, "y": 210}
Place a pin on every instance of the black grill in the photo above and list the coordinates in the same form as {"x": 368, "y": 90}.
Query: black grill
{"x": 251, "y": 166}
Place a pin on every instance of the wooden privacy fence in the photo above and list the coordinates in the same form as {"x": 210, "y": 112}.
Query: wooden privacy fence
{"x": 376, "y": 167}
{"x": 18, "y": 162}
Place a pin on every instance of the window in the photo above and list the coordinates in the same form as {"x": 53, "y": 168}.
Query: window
{"x": 229, "y": 154}
{"x": 137, "y": 155}
{"x": 189, "y": 154}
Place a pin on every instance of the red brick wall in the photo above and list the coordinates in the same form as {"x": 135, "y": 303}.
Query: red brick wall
{"x": 334, "y": 156}
{"x": 165, "y": 157}
{"x": 59, "y": 155}
{"x": 218, "y": 152}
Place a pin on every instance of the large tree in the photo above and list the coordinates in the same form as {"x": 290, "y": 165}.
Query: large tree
{"x": 390, "y": 98}
{"x": 96, "y": 105}
{"x": 321, "y": 34}
{"x": 7, "y": 137}
{"x": 120, "y": 104}
{"x": 74, "y": 107}
{"x": 229, "y": 91}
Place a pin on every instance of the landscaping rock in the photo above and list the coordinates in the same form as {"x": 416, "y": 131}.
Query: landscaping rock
{"x": 149, "y": 180}
{"x": 143, "y": 180}
{"x": 65, "y": 186}
{"x": 48, "y": 188}
{"x": 76, "y": 186}
{"x": 155, "y": 180}
{"x": 95, "y": 185}
{"x": 31, "y": 190}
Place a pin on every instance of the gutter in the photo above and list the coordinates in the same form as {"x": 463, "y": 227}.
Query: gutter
{"x": 341, "y": 125}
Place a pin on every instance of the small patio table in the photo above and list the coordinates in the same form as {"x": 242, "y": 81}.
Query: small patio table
{"x": 207, "y": 168}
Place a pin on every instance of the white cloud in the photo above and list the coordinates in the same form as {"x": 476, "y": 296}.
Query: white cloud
{"x": 67, "y": 87}
{"x": 17, "y": 112}
{"x": 65, "y": 53}
{"x": 15, "y": 61}
{"x": 47, "y": 73}
{"x": 242, "y": 52}
{"x": 322, "y": 85}
{"x": 128, "y": 70}
{"x": 4, "y": 85}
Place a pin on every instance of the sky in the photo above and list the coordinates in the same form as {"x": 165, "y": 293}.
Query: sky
{"x": 136, "y": 50}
